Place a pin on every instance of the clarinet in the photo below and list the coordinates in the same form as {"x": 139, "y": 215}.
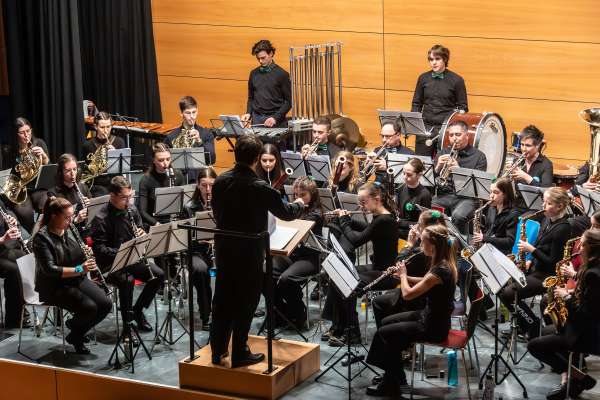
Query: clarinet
{"x": 80, "y": 195}
{"x": 135, "y": 229}
{"x": 22, "y": 243}
{"x": 389, "y": 271}
{"x": 89, "y": 255}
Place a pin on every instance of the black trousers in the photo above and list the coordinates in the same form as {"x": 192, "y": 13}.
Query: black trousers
{"x": 85, "y": 300}
{"x": 391, "y": 303}
{"x": 237, "y": 292}
{"x": 288, "y": 276}
{"x": 13, "y": 287}
{"x": 342, "y": 312}
{"x": 24, "y": 211}
{"x": 552, "y": 349}
{"x": 200, "y": 278}
{"x": 526, "y": 318}
{"x": 461, "y": 209}
{"x": 124, "y": 281}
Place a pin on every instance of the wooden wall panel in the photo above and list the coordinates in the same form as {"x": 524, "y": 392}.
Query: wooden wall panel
{"x": 552, "y": 20}
{"x": 361, "y": 105}
{"x": 508, "y": 68}
{"x": 224, "y": 52}
{"x": 332, "y": 15}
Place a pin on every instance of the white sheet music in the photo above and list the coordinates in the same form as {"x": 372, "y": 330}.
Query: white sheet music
{"x": 281, "y": 236}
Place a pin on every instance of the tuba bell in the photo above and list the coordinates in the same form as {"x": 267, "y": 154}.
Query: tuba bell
{"x": 591, "y": 116}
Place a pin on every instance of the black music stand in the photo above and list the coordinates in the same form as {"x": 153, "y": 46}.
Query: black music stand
{"x": 590, "y": 199}
{"x": 397, "y": 161}
{"x": 294, "y": 161}
{"x": 318, "y": 167}
{"x": 188, "y": 158}
{"x": 46, "y": 179}
{"x": 96, "y": 203}
{"x": 129, "y": 253}
{"x": 349, "y": 201}
{"x": 327, "y": 199}
{"x": 497, "y": 270}
{"x": 472, "y": 183}
{"x": 118, "y": 161}
{"x": 532, "y": 195}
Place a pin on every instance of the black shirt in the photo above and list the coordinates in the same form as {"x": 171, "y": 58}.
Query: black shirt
{"x": 500, "y": 230}
{"x": 439, "y": 304}
{"x": 70, "y": 193}
{"x": 207, "y": 141}
{"x": 541, "y": 171}
{"x": 409, "y": 215}
{"x": 109, "y": 229}
{"x": 191, "y": 208}
{"x": 380, "y": 176}
{"x": 383, "y": 234}
{"x": 90, "y": 146}
{"x": 269, "y": 93}
{"x": 147, "y": 198}
{"x": 438, "y": 98}
{"x": 550, "y": 244}
{"x": 35, "y": 142}
{"x": 469, "y": 157}
{"x": 52, "y": 254}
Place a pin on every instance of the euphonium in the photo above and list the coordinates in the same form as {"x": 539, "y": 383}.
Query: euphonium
{"x": 183, "y": 140}
{"x": 556, "y": 308}
{"x": 444, "y": 173}
{"x": 28, "y": 167}
{"x": 97, "y": 162}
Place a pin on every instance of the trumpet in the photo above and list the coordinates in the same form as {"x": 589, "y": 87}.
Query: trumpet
{"x": 89, "y": 255}
{"x": 307, "y": 151}
{"x": 518, "y": 163}
{"x": 444, "y": 173}
{"x": 390, "y": 271}
{"x": 369, "y": 167}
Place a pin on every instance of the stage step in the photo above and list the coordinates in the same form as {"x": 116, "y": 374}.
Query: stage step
{"x": 295, "y": 362}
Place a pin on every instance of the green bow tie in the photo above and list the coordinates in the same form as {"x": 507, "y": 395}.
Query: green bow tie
{"x": 322, "y": 147}
{"x": 437, "y": 75}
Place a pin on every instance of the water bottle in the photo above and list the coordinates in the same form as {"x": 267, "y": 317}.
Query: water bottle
{"x": 452, "y": 369}
{"x": 488, "y": 387}
{"x": 212, "y": 272}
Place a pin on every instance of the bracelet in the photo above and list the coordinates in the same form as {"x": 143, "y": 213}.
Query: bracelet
{"x": 79, "y": 269}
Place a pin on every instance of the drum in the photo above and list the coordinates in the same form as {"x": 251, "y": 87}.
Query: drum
{"x": 565, "y": 176}
{"x": 486, "y": 133}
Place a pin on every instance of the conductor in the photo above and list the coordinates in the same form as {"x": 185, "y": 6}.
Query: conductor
{"x": 240, "y": 202}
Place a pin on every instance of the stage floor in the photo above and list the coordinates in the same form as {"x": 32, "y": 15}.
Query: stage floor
{"x": 163, "y": 368}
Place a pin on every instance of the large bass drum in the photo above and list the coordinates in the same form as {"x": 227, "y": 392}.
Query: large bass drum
{"x": 486, "y": 133}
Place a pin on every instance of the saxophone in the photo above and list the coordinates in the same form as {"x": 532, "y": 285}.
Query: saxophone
{"x": 556, "y": 308}
{"x": 183, "y": 140}
{"x": 477, "y": 227}
{"x": 28, "y": 168}
{"x": 97, "y": 162}
{"x": 521, "y": 257}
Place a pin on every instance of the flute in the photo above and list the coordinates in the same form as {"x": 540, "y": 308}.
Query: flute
{"x": 389, "y": 271}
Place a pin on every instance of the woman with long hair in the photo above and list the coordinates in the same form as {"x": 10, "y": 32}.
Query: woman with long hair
{"x": 270, "y": 166}
{"x": 411, "y": 194}
{"x": 430, "y": 324}
{"x": 349, "y": 176}
{"x": 61, "y": 269}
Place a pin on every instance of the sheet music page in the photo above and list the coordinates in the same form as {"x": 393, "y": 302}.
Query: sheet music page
{"x": 281, "y": 236}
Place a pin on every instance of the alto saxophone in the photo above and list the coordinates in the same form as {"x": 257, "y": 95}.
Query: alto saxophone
{"x": 469, "y": 251}
{"x": 556, "y": 308}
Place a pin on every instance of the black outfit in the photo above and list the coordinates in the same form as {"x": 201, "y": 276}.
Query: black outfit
{"x": 500, "y": 230}
{"x": 437, "y": 98}
{"x": 240, "y": 201}
{"x": 548, "y": 251}
{"x": 70, "y": 193}
{"x": 269, "y": 94}
{"x": 542, "y": 172}
{"x": 109, "y": 229}
{"x": 400, "y": 330}
{"x": 84, "y": 299}
{"x": 382, "y": 176}
{"x": 290, "y": 272}
{"x": 207, "y": 141}
{"x": 583, "y": 174}
{"x": 35, "y": 197}
{"x": 147, "y": 198}
{"x": 581, "y": 332}
{"x": 461, "y": 208}
{"x": 201, "y": 263}
{"x": 382, "y": 232}
{"x": 9, "y": 271}
{"x": 99, "y": 186}
{"x": 391, "y": 302}
{"x": 409, "y": 214}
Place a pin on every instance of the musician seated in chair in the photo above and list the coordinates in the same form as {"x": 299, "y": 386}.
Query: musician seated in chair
{"x": 269, "y": 89}
{"x": 391, "y": 143}
{"x": 66, "y": 179}
{"x": 411, "y": 194}
{"x": 103, "y": 141}
{"x": 202, "y": 257}
{"x": 580, "y": 333}
{"x": 29, "y": 150}
{"x": 193, "y": 134}
{"x": 116, "y": 223}
{"x": 320, "y": 136}
{"x": 460, "y": 208}
{"x": 270, "y": 167}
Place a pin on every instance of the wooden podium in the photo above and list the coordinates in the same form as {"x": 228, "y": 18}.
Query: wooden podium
{"x": 294, "y": 361}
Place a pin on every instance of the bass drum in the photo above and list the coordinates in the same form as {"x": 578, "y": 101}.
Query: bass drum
{"x": 486, "y": 133}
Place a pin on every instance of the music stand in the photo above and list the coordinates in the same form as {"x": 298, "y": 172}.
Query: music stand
{"x": 397, "y": 161}
{"x": 232, "y": 124}
{"x": 327, "y": 200}
{"x": 294, "y": 161}
{"x": 129, "y": 253}
{"x": 349, "y": 201}
{"x": 590, "y": 199}
{"x": 188, "y": 158}
{"x": 46, "y": 179}
{"x": 169, "y": 200}
{"x": 532, "y": 195}
{"x": 496, "y": 271}
{"x": 96, "y": 203}
{"x": 205, "y": 219}
{"x": 472, "y": 183}
{"x": 118, "y": 161}
{"x": 319, "y": 167}
{"x": 411, "y": 123}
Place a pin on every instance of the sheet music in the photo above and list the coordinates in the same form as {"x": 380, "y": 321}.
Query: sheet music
{"x": 281, "y": 236}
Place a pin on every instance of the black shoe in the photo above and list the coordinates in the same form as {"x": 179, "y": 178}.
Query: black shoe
{"x": 386, "y": 387}
{"x": 142, "y": 323}
{"x": 579, "y": 385}
{"x": 259, "y": 313}
{"x": 206, "y": 325}
{"x": 247, "y": 359}
{"x": 558, "y": 393}
{"x": 77, "y": 343}
{"x": 376, "y": 380}
{"x": 218, "y": 359}
{"x": 335, "y": 341}
{"x": 325, "y": 336}
{"x": 354, "y": 358}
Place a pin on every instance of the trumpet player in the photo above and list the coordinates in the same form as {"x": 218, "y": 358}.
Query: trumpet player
{"x": 103, "y": 125}
{"x": 115, "y": 223}
{"x": 202, "y": 252}
{"x": 68, "y": 188}
{"x": 460, "y": 208}
{"x": 320, "y": 135}
{"x": 61, "y": 269}
{"x": 198, "y": 135}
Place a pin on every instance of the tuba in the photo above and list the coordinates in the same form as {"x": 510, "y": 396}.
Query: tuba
{"x": 591, "y": 116}
{"x": 28, "y": 167}
{"x": 97, "y": 162}
{"x": 183, "y": 140}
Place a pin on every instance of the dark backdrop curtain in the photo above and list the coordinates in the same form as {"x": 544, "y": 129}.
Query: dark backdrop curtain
{"x": 44, "y": 68}
{"x": 118, "y": 56}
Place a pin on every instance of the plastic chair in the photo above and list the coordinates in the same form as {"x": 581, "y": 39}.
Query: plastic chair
{"x": 456, "y": 340}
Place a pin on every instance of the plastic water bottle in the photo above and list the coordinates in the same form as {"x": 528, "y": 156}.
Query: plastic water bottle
{"x": 452, "y": 369}
{"x": 212, "y": 272}
{"x": 488, "y": 387}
